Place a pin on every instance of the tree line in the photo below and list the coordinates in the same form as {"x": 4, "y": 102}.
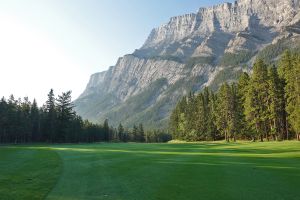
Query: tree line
{"x": 22, "y": 121}
{"x": 262, "y": 106}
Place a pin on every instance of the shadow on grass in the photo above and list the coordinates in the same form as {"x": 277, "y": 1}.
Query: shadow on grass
{"x": 265, "y": 171}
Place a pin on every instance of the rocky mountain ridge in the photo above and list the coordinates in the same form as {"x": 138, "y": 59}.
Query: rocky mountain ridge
{"x": 186, "y": 54}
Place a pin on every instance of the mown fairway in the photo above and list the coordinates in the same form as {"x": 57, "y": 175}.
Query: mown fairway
{"x": 151, "y": 171}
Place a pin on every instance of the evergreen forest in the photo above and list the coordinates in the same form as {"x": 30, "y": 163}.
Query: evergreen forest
{"x": 263, "y": 105}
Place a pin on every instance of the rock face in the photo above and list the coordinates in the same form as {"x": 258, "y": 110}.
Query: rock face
{"x": 186, "y": 54}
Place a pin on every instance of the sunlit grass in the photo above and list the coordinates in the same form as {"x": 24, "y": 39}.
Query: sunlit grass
{"x": 243, "y": 170}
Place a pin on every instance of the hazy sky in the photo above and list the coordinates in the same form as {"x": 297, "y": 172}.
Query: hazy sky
{"x": 58, "y": 44}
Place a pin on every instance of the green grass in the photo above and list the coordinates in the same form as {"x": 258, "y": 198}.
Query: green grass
{"x": 27, "y": 173}
{"x": 258, "y": 171}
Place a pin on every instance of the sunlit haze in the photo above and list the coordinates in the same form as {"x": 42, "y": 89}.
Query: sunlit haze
{"x": 58, "y": 44}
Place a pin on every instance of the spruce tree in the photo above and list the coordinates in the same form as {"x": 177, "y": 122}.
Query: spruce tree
{"x": 106, "y": 130}
{"x": 296, "y": 122}
{"x": 276, "y": 104}
{"x": 65, "y": 116}
{"x": 200, "y": 118}
{"x": 189, "y": 118}
{"x": 3, "y": 120}
{"x": 242, "y": 87}
{"x": 212, "y": 130}
{"x": 285, "y": 73}
{"x": 236, "y": 124}
{"x": 50, "y": 118}
{"x": 256, "y": 108}
{"x": 290, "y": 67}
{"x": 224, "y": 112}
{"x": 25, "y": 120}
{"x": 135, "y": 133}
{"x": 141, "y": 133}
{"x": 35, "y": 121}
{"x": 121, "y": 132}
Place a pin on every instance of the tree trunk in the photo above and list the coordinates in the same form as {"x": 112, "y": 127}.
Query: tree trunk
{"x": 256, "y": 127}
{"x": 298, "y": 136}
{"x": 266, "y": 131}
{"x": 287, "y": 129}
{"x": 261, "y": 137}
{"x": 226, "y": 136}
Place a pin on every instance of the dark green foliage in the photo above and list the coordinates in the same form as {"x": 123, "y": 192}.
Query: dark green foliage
{"x": 225, "y": 75}
{"x": 236, "y": 59}
{"x": 193, "y": 118}
{"x": 277, "y": 114}
{"x": 271, "y": 52}
{"x": 121, "y": 133}
{"x": 290, "y": 72}
{"x": 256, "y": 108}
{"x": 141, "y": 133}
{"x": 50, "y": 118}
{"x": 35, "y": 122}
{"x": 145, "y": 54}
{"x": 23, "y": 121}
{"x": 65, "y": 117}
{"x": 106, "y": 130}
{"x": 167, "y": 57}
{"x": 199, "y": 60}
{"x": 265, "y": 105}
{"x": 56, "y": 122}
{"x": 242, "y": 85}
{"x": 136, "y": 104}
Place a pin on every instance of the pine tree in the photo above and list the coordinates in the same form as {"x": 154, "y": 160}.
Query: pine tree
{"x": 65, "y": 115}
{"x": 200, "y": 123}
{"x": 189, "y": 118}
{"x": 256, "y": 108}
{"x": 50, "y": 118}
{"x": 292, "y": 93}
{"x": 296, "y": 122}
{"x": 3, "y": 120}
{"x": 106, "y": 130}
{"x": 207, "y": 113}
{"x": 25, "y": 121}
{"x": 276, "y": 103}
{"x": 178, "y": 120}
{"x": 121, "y": 132}
{"x": 212, "y": 130}
{"x": 243, "y": 84}
{"x": 285, "y": 73}
{"x": 236, "y": 112}
{"x": 224, "y": 112}
{"x": 182, "y": 126}
{"x": 141, "y": 133}
{"x": 174, "y": 122}
{"x": 13, "y": 129}
{"x": 35, "y": 121}
{"x": 135, "y": 133}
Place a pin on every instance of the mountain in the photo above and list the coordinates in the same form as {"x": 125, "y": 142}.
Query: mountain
{"x": 192, "y": 51}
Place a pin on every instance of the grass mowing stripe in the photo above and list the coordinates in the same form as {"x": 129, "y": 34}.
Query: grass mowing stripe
{"x": 248, "y": 171}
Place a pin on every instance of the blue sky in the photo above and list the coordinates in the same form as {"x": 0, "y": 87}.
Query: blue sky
{"x": 44, "y": 41}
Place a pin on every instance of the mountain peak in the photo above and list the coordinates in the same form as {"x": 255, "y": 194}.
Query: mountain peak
{"x": 232, "y": 17}
{"x": 188, "y": 53}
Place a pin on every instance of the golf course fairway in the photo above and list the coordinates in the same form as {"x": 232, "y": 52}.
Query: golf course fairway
{"x": 132, "y": 171}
